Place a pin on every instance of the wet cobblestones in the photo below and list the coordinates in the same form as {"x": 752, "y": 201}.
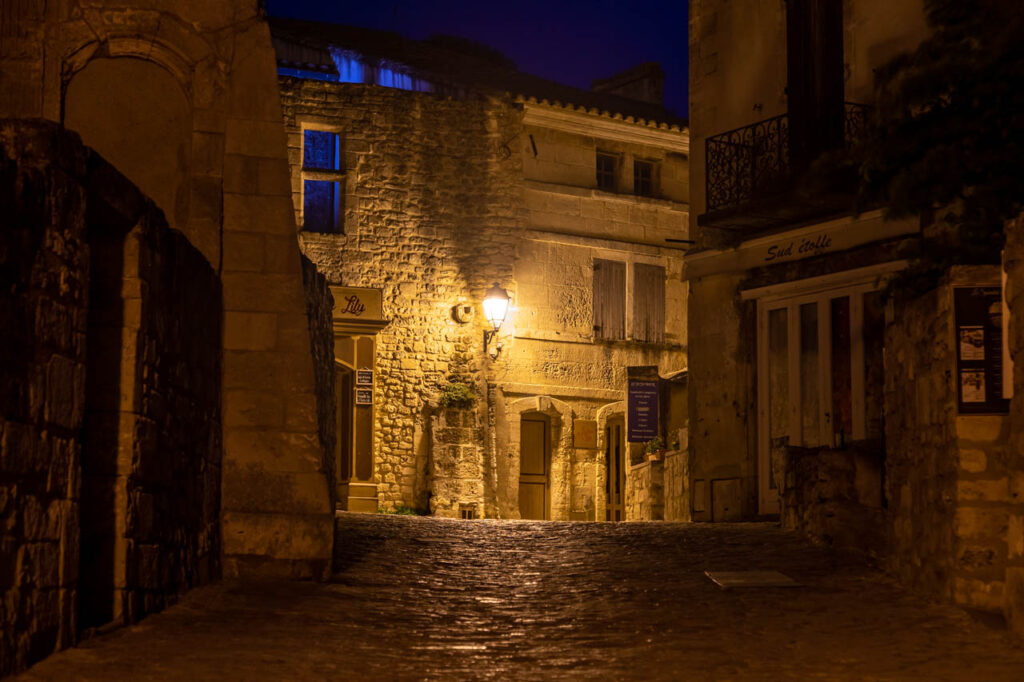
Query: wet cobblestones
{"x": 423, "y": 598}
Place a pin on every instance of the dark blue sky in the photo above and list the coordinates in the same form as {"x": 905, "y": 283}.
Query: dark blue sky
{"x": 570, "y": 41}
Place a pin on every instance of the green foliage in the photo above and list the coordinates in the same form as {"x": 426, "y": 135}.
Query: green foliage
{"x": 656, "y": 445}
{"x": 949, "y": 132}
{"x": 457, "y": 395}
{"x": 402, "y": 510}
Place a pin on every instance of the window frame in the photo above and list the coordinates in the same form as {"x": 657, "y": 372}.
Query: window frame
{"x": 652, "y": 180}
{"x": 337, "y": 176}
{"x": 614, "y": 174}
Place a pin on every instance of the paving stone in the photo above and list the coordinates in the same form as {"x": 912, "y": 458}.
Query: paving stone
{"x": 425, "y": 598}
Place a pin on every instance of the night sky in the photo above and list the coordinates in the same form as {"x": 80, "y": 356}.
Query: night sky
{"x": 569, "y": 41}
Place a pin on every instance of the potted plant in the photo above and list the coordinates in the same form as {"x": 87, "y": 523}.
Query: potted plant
{"x": 654, "y": 449}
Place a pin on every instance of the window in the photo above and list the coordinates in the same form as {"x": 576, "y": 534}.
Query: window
{"x": 649, "y": 303}
{"x": 322, "y": 179}
{"x": 609, "y": 299}
{"x": 643, "y": 178}
{"x": 606, "y": 164}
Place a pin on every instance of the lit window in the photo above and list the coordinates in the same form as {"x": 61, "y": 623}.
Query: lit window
{"x": 322, "y": 180}
{"x": 643, "y": 178}
{"x": 606, "y": 164}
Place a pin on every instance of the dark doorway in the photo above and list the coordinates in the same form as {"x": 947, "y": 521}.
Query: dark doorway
{"x": 615, "y": 470}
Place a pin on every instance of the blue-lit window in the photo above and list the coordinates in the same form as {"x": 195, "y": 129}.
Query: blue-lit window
{"x": 322, "y": 182}
{"x": 321, "y": 150}
{"x": 321, "y": 206}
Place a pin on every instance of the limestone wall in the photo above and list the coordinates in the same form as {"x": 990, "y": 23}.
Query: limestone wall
{"x": 432, "y": 222}
{"x": 645, "y": 491}
{"x": 723, "y": 419}
{"x": 110, "y": 450}
{"x": 44, "y": 265}
{"x": 949, "y": 478}
{"x": 677, "y": 485}
{"x": 320, "y": 308}
{"x": 1014, "y": 263}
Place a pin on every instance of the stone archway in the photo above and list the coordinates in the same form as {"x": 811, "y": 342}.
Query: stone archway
{"x": 136, "y": 114}
{"x": 559, "y": 415}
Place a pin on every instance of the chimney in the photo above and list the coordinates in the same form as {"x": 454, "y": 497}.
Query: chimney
{"x": 643, "y": 83}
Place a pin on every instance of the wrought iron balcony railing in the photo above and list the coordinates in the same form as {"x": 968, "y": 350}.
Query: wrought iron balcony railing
{"x": 756, "y": 161}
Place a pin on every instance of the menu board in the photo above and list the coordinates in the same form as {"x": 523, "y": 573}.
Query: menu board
{"x": 979, "y": 350}
{"x": 642, "y": 411}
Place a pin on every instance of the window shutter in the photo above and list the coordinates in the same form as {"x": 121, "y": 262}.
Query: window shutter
{"x": 649, "y": 303}
{"x": 609, "y": 299}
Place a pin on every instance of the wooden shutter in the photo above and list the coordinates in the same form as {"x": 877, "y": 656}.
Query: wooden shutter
{"x": 649, "y": 303}
{"x": 609, "y": 299}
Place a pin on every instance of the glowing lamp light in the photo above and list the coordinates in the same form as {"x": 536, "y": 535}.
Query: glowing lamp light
{"x": 495, "y": 309}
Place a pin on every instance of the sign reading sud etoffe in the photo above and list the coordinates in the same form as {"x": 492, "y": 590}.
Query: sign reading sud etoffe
{"x": 642, "y": 411}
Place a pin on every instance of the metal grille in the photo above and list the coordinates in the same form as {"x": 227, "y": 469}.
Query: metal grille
{"x": 754, "y": 161}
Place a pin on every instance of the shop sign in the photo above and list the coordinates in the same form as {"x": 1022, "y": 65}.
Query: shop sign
{"x": 357, "y": 303}
{"x": 642, "y": 411}
{"x": 364, "y": 377}
{"x": 364, "y": 396}
{"x": 798, "y": 248}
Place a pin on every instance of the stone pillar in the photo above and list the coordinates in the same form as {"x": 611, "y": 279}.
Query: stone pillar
{"x": 277, "y": 509}
{"x": 457, "y": 464}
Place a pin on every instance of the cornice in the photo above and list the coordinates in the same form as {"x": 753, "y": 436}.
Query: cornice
{"x": 591, "y": 123}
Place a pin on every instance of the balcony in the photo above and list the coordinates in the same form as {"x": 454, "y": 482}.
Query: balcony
{"x": 753, "y": 172}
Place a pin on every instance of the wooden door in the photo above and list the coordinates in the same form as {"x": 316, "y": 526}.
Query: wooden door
{"x": 534, "y": 462}
{"x": 615, "y": 470}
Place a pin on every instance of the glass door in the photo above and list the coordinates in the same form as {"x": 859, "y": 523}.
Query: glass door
{"x": 819, "y": 376}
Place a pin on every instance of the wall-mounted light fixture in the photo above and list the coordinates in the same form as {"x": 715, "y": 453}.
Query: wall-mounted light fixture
{"x": 495, "y": 309}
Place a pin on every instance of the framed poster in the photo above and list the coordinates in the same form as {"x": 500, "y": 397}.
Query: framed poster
{"x": 364, "y": 396}
{"x": 978, "y": 314}
{"x": 364, "y": 377}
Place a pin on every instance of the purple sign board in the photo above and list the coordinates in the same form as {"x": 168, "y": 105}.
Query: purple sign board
{"x": 642, "y": 415}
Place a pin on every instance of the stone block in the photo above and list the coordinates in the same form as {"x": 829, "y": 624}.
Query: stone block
{"x": 244, "y": 252}
{"x": 1015, "y": 537}
{"x": 308, "y": 537}
{"x": 249, "y": 487}
{"x": 274, "y": 450}
{"x": 250, "y": 331}
{"x": 997, "y": 490}
{"x": 981, "y": 428}
{"x": 980, "y": 522}
{"x": 974, "y": 461}
{"x": 249, "y": 408}
{"x": 979, "y": 594}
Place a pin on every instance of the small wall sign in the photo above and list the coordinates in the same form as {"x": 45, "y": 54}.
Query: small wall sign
{"x": 978, "y": 314}
{"x": 364, "y": 396}
{"x": 364, "y": 377}
{"x": 584, "y": 433}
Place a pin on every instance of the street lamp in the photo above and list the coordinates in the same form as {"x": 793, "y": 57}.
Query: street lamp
{"x": 495, "y": 309}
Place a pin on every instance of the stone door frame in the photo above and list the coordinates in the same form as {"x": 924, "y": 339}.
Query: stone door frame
{"x": 560, "y": 416}
{"x": 605, "y": 413}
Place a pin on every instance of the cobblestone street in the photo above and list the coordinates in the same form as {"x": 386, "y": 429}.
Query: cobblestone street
{"x": 422, "y": 598}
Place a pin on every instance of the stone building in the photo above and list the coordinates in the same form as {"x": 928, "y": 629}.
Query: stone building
{"x": 166, "y": 411}
{"x": 423, "y": 174}
{"x": 863, "y": 414}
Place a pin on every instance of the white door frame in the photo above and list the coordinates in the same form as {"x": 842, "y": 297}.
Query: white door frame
{"x": 790, "y": 296}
